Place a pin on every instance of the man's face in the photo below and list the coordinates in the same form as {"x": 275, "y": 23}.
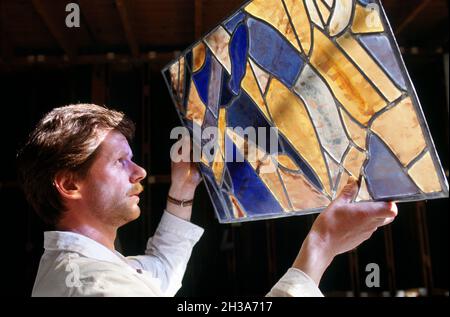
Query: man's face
{"x": 111, "y": 187}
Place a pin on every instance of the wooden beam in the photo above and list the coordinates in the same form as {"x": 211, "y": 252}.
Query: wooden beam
{"x": 390, "y": 259}
{"x": 124, "y": 12}
{"x": 424, "y": 245}
{"x": 155, "y": 58}
{"x": 55, "y": 29}
{"x": 86, "y": 20}
{"x": 6, "y": 48}
{"x": 198, "y": 18}
{"x": 99, "y": 85}
{"x": 412, "y": 16}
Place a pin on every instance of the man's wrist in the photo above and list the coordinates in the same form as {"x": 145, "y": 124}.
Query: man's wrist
{"x": 314, "y": 257}
{"x": 181, "y": 203}
{"x": 179, "y": 192}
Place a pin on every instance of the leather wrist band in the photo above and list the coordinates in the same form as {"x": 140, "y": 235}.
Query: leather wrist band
{"x": 181, "y": 203}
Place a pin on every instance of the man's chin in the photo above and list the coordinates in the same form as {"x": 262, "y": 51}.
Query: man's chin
{"x": 131, "y": 214}
{"x": 135, "y": 213}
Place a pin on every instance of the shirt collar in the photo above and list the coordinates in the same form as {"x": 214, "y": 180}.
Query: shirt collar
{"x": 74, "y": 242}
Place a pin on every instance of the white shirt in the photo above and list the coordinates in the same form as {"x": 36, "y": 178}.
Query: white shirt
{"x": 75, "y": 265}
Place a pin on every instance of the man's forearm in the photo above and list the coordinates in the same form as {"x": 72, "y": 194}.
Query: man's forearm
{"x": 314, "y": 257}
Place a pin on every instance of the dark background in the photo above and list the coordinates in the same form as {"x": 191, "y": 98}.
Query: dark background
{"x": 245, "y": 259}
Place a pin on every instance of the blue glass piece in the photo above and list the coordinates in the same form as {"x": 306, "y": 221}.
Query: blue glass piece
{"x": 306, "y": 169}
{"x": 226, "y": 94}
{"x": 219, "y": 203}
{"x": 244, "y": 113}
{"x": 231, "y": 23}
{"x": 201, "y": 78}
{"x": 238, "y": 55}
{"x": 381, "y": 49}
{"x": 227, "y": 181}
{"x": 385, "y": 176}
{"x": 210, "y": 121}
{"x": 366, "y": 2}
{"x": 250, "y": 190}
{"x": 273, "y": 52}
{"x": 214, "y": 86}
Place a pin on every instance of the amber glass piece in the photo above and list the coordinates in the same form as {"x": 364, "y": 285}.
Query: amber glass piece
{"x": 379, "y": 78}
{"x": 349, "y": 86}
{"x": 356, "y": 133}
{"x": 250, "y": 86}
{"x": 218, "y": 41}
{"x": 300, "y": 20}
{"x": 219, "y": 164}
{"x": 323, "y": 10}
{"x": 342, "y": 182}
{"x": 261, "y": 76}
{"x": 340, "y": 17}
{"x": 353, "y": 161}
{"x": 301, "y": 193}
{"x": 291, "y": 118}
{"x": 195, "y": 107}
{"x": 238, "y": 210}
{"x": 313, "y": 13}
{"x": 400, "y": 129}
{"x": 366, "y": 20}
{"x": 423, "y": 173}
{"x": 287, "y": 162}
{"x": 175, "y": 76}
{"x": 263, "y": 165}
{"x": 272, "y": 11}
{"x": 363, "y": 193}
{"x": 199, "y": 55}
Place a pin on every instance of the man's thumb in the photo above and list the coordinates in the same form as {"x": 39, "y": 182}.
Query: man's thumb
{"x": 350, "y": 190}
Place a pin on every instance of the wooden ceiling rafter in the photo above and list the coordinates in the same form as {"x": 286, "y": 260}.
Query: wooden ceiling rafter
{"x": 198, "y": 14}
{"x": 412, "y": 16}
{"x": 55, "y": 29}
{"x": 125, "y": 17}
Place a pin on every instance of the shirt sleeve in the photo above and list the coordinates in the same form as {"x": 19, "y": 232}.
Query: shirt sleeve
{"x": 295, "y": 283}
{"x": 110, "y": 283}
{"x": 168, "y": 252}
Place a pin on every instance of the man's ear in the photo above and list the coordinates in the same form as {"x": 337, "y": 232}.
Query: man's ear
{"x": 68, "y": 185}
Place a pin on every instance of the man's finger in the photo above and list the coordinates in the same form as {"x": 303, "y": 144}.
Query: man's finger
{"x": 349, "y": 191}
{"x": 379, "y": 209}
{"x": 381, "y": 222}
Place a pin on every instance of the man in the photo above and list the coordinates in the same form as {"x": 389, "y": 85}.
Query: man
{"x": 78, "y": 174}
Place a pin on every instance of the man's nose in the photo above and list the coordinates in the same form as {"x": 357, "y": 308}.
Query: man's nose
{"x": 139, "y": 173}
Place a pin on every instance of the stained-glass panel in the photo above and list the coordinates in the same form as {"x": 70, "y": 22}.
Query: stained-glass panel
{"x": 323, "y": 87}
